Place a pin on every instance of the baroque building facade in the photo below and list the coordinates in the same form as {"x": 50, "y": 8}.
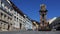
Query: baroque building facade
{"x": 6, "y": 14}
{"x": 28, "y": 23}
{"x": 11, "y": 18}
{"x": 22, "y": 18}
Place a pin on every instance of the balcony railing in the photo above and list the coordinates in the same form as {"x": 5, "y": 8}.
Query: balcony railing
{"x": 5, "y": 11}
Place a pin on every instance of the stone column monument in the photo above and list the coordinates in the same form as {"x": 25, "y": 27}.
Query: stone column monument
{"x": 43, "y": 21}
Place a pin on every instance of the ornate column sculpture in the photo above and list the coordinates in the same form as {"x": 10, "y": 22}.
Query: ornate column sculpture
{"x": 43, "y": 21}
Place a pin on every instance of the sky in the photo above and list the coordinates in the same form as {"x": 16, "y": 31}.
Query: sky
{"x": 31, "y": 8}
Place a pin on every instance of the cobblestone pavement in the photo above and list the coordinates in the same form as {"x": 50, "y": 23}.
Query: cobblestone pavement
{"x": 31, "y": 32}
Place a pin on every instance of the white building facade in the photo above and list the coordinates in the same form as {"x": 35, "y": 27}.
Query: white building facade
{"x": 6, "y": 14}
{"x": 11, "y": 18}
{"x": 22, "y": 19}
{"x": 28, "y": 23}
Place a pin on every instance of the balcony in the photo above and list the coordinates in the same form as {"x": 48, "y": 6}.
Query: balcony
{"x": 4, "y": 10}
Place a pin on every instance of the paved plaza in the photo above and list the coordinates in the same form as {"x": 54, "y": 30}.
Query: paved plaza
{"x": 31, "y": 32}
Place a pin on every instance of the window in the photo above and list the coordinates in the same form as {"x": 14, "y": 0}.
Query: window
{"x": 2, "y": 4}
{"x": 9, "y": 9}
{"x": 8, "y": 17}
{"x": 6, "y": 8}
{"x": 15, "y": 18}
{"x": 4, "y": 16}
{"x": 20, "y": 20}
{"x": 1, "y": 14}
{"x": 14, "y": 12}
